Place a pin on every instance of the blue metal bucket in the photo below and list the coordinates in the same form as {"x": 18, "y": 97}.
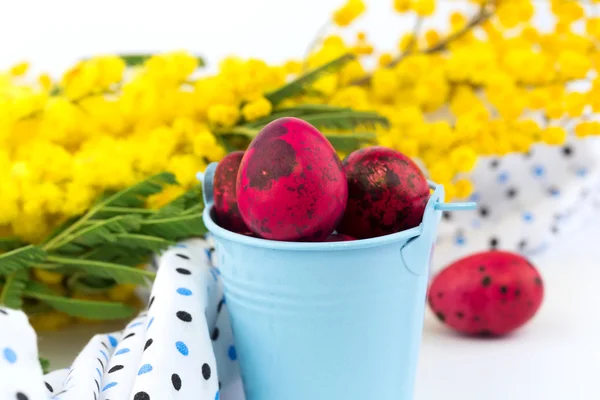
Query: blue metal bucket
{"x": 331, "y": 320}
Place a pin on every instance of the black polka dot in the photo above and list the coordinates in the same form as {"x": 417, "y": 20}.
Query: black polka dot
{"x": 148, "y": 343}
{"x": 484, "y": 211}
{"x": 522, "y": 244}
{"x": 21, "y": 396}
{"x": 447, "y": 216}
{"x": 517, "y": 292}
{"x": 101, "y": 363}
{"x": 493, "y": 243}
{"x": 141, "y": 396}
{"x": 128, "y": 336}
{"x": 115, "y": 369}
{"x": 511, "y": 193}
{"x": 220, "y": 385}
{"x": 440, "y": 316}
{"x": 503, "y": 289}
{"x": 482, "y": 268}
{"x": 485, "y": 332}
{"x": 182, "y": 256}
{"x": 206, "y": 371}
{"x": 476, "y": 318}
{"x": 494, "y": 163}
{"x": 50, "y": 388}
{"x": 151, "y": 301}
{"x": 567, "y": 151}
{"x": 554, "y": 229}
{"x": 460, "y": 315}
{"x": 3, "y": 312}
{"x": 440, "y": 295}
{"x": 538, "y": 281}
{"x": 486, "y": 281}
{"x": 184, "y": 316}
{"x": 528, "y": 154}
{"x": 183, "y": 271}
{"x": 215, "y": 334}
{"x": 220, "y": 305}
{"x": 97, "y": 384}
{"x": 176, "y": 381}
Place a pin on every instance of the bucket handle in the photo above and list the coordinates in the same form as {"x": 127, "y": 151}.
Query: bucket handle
{"x": 416, "y": 253}
{"x": 208, "y": 178}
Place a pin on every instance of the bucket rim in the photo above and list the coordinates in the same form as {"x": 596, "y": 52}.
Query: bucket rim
{"x": 398, "y": 237}
{"x": 217, "y": 231}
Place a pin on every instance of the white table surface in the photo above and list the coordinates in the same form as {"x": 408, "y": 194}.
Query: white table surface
{"x": 556, "y": 356}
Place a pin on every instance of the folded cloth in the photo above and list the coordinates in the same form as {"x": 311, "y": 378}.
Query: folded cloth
{"x": 525, "y": 202}
{"x": 181, "y": 347}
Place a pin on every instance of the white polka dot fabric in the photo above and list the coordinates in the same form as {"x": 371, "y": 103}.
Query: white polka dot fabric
{"x": 524, "y": 202}
{"x": 20, "y": 371}
{"x": 180, "y": 348}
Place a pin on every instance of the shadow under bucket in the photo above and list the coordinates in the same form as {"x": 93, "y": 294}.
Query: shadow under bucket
{"x": 331, "y": 320}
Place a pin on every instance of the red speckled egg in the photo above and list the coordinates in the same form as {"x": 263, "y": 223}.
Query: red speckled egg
{"x": 489, "y": 293}
{"x": 291, "y": 185}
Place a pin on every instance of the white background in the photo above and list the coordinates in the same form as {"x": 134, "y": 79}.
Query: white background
{"x": 556, "y": 357}
{"x": 53, "y": 34}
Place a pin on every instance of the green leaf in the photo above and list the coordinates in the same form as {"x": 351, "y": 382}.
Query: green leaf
{"x": 89, "y": 284}
{"x": 175, "y": 228}
{"x": 135, "y": 195}
{"x": 21, "y": 258}
{"x": 348, "y": 120}
{"x": 143, "y": 242}
{"x": 302, "y": 83}
{"x": 100, "y": 231}
{"x": 303, "y": 109}
{"x": 12, "y": 290}
{"x": 350, "y": 142}
{"x": 100, "y": 310}
{"x": 120, "y": 273}
{"x": 132, "y": 60}
{"x": 45, "y": 364}
{"x": 190, "y": 198}
{"x": 108, "y": 212}
{"x": 11, "y": 243}
{"x": 272, "y": 117}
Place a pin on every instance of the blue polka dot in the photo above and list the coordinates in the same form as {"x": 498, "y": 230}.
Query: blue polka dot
{"x": 460, "y": 240}
{"x": 104, "y": 355}
{"x": 145, "y": 369}
{"x": 554, "y": 192}
{"x": 581, "y": 172}
{"x": 122, "y": 351}
{"x": 474, "y": 197}
{"x": 232, "y": 353}
{"x": 182, "y": 348}
{"x": 539, "y": 170}
{"x": 527, "y": 217}
{"x": 218, "y": 271}
{"x": 217, "y": 396}
{"x": 10, "y": 355}
{"x": 99, "y": 373}
{"x": 223, "y": 300}
{"x": 150, "y": 323}
{"x": 134, "y": 325}
{"x": 502, "y": 177}
{"x": 214, "y": 274}
{"x": 184, "y": 291}
{"x": 181, "y": 246}
{"x": 112, "y": 384}
{"x": 113, "y": 341}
